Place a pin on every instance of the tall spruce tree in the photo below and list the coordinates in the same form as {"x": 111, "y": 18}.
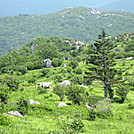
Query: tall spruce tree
{"x": 101, "y": 63}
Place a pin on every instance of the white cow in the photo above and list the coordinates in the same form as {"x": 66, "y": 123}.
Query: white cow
{"x": 46, "y": 84}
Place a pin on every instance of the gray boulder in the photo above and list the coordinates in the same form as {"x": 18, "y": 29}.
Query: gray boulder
{"x": 47, "y": 63}
{"x": 61, "y": 104}
{"x": 14, "y": 113}
{"x": 33, "y": 102}
{"x": 129, "y": 58}
{"x": 66, "y": 83}
{"x": 89, "y": 107}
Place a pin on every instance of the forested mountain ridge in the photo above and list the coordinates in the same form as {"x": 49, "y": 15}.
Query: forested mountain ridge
{"x": 78, "y": 23}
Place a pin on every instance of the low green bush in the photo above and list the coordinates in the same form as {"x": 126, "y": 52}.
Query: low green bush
{"x": 4, "y": 120}
{"x": 103, "y": 109}
{"x": 131, "y": 106}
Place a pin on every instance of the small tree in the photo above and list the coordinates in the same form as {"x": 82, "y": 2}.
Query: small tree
{"x": 101, "y": 63}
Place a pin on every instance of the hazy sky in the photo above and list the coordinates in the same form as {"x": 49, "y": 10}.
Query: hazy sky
{"x": 15, "y": 7}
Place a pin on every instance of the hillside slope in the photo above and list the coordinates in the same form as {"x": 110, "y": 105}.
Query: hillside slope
{"x": 78, "y": 23}
{"x": 15, "y": 7}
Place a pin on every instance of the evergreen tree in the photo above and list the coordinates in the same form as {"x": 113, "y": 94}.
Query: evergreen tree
{"x": 101, "y": 63}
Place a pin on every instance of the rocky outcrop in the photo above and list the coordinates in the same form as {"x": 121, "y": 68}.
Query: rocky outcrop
{"x": 33, "y": 102}
{"x": 66, "y": 83}
{"x": 61, "y": 104}
{"x": 48, "y": 63}
{"x": 14, "y": 113}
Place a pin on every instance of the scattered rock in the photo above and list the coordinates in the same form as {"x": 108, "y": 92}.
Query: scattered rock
{"x": 47, "y": 63}
{"x": 83, "y": 86}
{"x": 129, "y": 58}
{"x": 66, "y": 83}
{"x": 109, "y": 25}
{"x": 81, "y": 18}
{"x": 14, "y": 113}
{"x": 94, "y": 11}
{"x": 61, "y": 104}
{"x": 33, "y": 102}
{"x": 34, "y": 45}
{"x": 64, "y": 65}
{"x": 89, "y": 107}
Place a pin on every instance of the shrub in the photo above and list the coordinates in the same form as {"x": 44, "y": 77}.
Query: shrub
{"x": 78, "y": 58}
{"x": 103, "y": 108}
{"x": 78, "y": 71}
{"x": 77, "y": 79}
{"x": 41, "y": 90}
{"x": 22, "y": 105}
{"x": 57, "y": 62}
{"x": 60, "y": 91}
{"x": 75, "y": 93}
{"x": 73, "y": 124}
{"x": 122, "y": 91}
{"x": 131, "y": 106}
{"x": 4, "y": 92}
{"x": 92, "y": 114}
{"x": 30, "y": 65}
{"x": 58, "y": 78}
{"x": 45, "y": 71}
{"x": 4, "y": 120}
{"x": 31, "y": 80}
{"x": 73, "y": 64}
{"x": 22, "y": 69}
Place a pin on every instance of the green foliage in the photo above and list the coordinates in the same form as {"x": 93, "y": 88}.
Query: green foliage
{"x": 4, "y": 92}
{"x": 73, "y": 64}
{"x": 31, "y": 79}
{"x": 57, "y": 62}
{"x": 11, "y": 82}
{"x": 101, "y": 62}
{"x": 76, "y": 79}
{"x": 75, "y": 94}
{"x": 92, "y": 114}
{"x": 45, "y": 71}
{"x": 22, "y": 69}
{"x": 103, "y": 108}
{"x": 78, "y": 70}
{"x": 4, "y": 120}
{"x": 131, "y": 106}
{"x": 122, "y": 91}
{"x": 60, "y": 91}
{"x": 72, "y": 125}
{"x": 42, "y": 90}
{"x": 58, "y": 78}
{"x": 22, "y": 105}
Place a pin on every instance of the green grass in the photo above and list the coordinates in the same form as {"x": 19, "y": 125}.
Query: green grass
{"x": 41, "y": 119}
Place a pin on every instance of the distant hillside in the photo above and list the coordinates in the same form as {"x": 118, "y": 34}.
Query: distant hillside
{"x": 15, "y": 7}
{"x": 78, "y": 23}
{"x": 123, "y": 5}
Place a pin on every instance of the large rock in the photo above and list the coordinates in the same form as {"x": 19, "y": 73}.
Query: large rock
{"x": 33, "y": 102}
{"x": 89, "y": 107}
{"x": 83, "y": 86}
{"x": 61, "y": 104}
{"x": 66, "y": 83}
{"x": 47, "y": 63}
{"x": 129, "y": 58}
{"x": 14, "y": 113}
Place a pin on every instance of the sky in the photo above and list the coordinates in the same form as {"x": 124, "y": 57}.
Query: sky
{"x": 15, "y": 7}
